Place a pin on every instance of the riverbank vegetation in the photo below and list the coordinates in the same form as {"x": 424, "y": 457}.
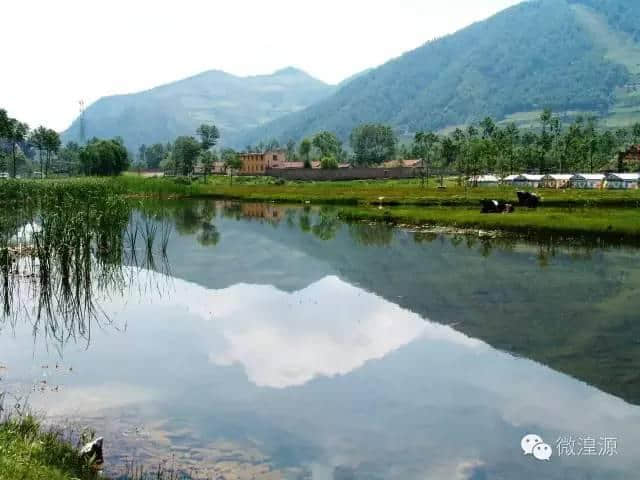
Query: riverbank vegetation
{"x": 620, "y": 225}
{"x": 30, "y": 452}
{"x": 607, "y": 212}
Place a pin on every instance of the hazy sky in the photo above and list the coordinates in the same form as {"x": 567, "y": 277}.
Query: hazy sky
{"x": 58, "y": 52}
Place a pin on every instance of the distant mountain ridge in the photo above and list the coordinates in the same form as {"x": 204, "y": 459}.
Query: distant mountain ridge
{"x": 574, "y": 56}
{"x": 568, "y": 55}
{"x": 233, "y": 103}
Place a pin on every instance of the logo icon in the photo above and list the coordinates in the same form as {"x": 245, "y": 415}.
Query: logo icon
{"x": 535, "y": 446}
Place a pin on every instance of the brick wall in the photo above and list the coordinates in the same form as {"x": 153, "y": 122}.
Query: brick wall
{"x": 342, "y": 173}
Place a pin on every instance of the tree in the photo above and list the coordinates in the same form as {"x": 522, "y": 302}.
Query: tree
{"x": 209, "y": 136}
{"x": 450, "y": 154}
{"x": 38, "y": 140}
{"x": 426, "y": 147}
{"x": 104, "y": 157}
{"x": 4, "y": 123}
{"x": 185, "y": 153}
{"x": 305, "y": 152}
{"x": 51, "y": 145}
{"x": 16, "y": 133}
{"x": 373, "y": 144}
{"x": 154, "y": 155}
{"x": 206, "y": 159}
{"x": 142, "y": 154}
{"x": 635, "y": 133}
{"x": 488, "y": 127}
{"x": 231, "y": 162}
{"x": 291, "y": 151}
{"x": 69, "y": 156}
{"x": 329, "y": 163}
{"x": 472, "y": 157}
{"x": 546, "y": 139}
{"x": 511, "y": 140}
{"x": 327, "y": 144}
{"x": 590, "y": 142}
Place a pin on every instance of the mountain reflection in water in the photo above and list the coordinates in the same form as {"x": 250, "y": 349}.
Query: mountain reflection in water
{"x": 296, "y": 346}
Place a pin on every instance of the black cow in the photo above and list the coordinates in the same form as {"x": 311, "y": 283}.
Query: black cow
{"x": 528, "y": 199}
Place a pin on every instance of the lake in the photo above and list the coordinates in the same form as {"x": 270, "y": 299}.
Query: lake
{"x": 266, "y": 341}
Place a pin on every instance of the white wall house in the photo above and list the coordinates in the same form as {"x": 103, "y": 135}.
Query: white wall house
{"x": 556, "y": 180}
{"x": 484, "y": 181}
{"x": 622, "y": 181}
{"x": 587, "y": 180}
{"x": 527, "y": 180}
{"x": 509, "y": 179}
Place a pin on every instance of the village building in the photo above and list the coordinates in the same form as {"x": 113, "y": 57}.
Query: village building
{"x": 258, "y": 163}
{"x": 406, "y": 163}
{"x": 630, "y": 158}
{"x": 484, "y": 181}
{"x": 509, "y": 179}
{"x": 622, "y": 181}
{"x": 218, "y": 168}
{"x": 523, "y": 180}
{"x": 587, "y": 180}
{"x": 530, "y": 180}
{"x": 556, "y": 180}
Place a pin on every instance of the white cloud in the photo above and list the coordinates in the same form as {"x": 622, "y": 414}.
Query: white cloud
{"x": 285, "y": 339}
{"x": 61, "y": 52}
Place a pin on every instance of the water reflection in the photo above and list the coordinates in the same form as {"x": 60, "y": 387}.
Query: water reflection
{"x": 370, "y": 389}
{"x": 290, "y": 344}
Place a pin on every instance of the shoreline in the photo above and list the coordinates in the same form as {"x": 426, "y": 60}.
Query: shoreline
{"x": 613, "y": 215}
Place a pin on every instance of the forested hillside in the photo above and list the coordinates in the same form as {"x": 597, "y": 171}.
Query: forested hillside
{"x": 232, "y": 103}
{"x": 621, "y": 15}
{"x": 538, "y": 54}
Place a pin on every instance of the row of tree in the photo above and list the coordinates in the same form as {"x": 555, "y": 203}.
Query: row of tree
{"x": 13, "y": 133}
{"x": 187, "y": 154}
{"x": 24, "y": 147}
{"x": 552, "y": 145}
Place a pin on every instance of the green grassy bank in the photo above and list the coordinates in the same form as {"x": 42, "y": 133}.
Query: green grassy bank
{"x": 570, "y": 212}
{"x": 28, "y": 452}
{"x": 609, "y": 224}
{"x": 393, "y": 192}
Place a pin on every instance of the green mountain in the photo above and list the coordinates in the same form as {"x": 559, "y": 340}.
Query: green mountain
{"x": 572, "y": 56}
{"x": 232, "y": 103}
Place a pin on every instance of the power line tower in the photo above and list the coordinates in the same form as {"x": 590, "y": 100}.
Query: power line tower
{"x": 83, "y": 131}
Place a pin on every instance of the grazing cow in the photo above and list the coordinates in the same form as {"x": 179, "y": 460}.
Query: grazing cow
{"x": 496, "y": 206}
{"x": 528, "y": 199}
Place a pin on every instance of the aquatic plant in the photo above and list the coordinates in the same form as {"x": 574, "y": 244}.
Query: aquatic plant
{"x": 60, "y": 253}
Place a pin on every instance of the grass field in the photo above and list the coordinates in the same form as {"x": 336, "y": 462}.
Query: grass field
{"x": 385, "y": 192}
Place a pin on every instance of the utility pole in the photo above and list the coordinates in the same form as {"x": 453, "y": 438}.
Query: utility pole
{"x": 82, "y": 123}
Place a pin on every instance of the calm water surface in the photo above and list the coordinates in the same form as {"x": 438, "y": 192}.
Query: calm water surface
{"x": 278, "y": 342}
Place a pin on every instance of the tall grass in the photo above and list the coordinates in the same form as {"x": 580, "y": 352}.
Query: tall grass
{"x": 74, "y": 251}
{"x": 30, "y": 452}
